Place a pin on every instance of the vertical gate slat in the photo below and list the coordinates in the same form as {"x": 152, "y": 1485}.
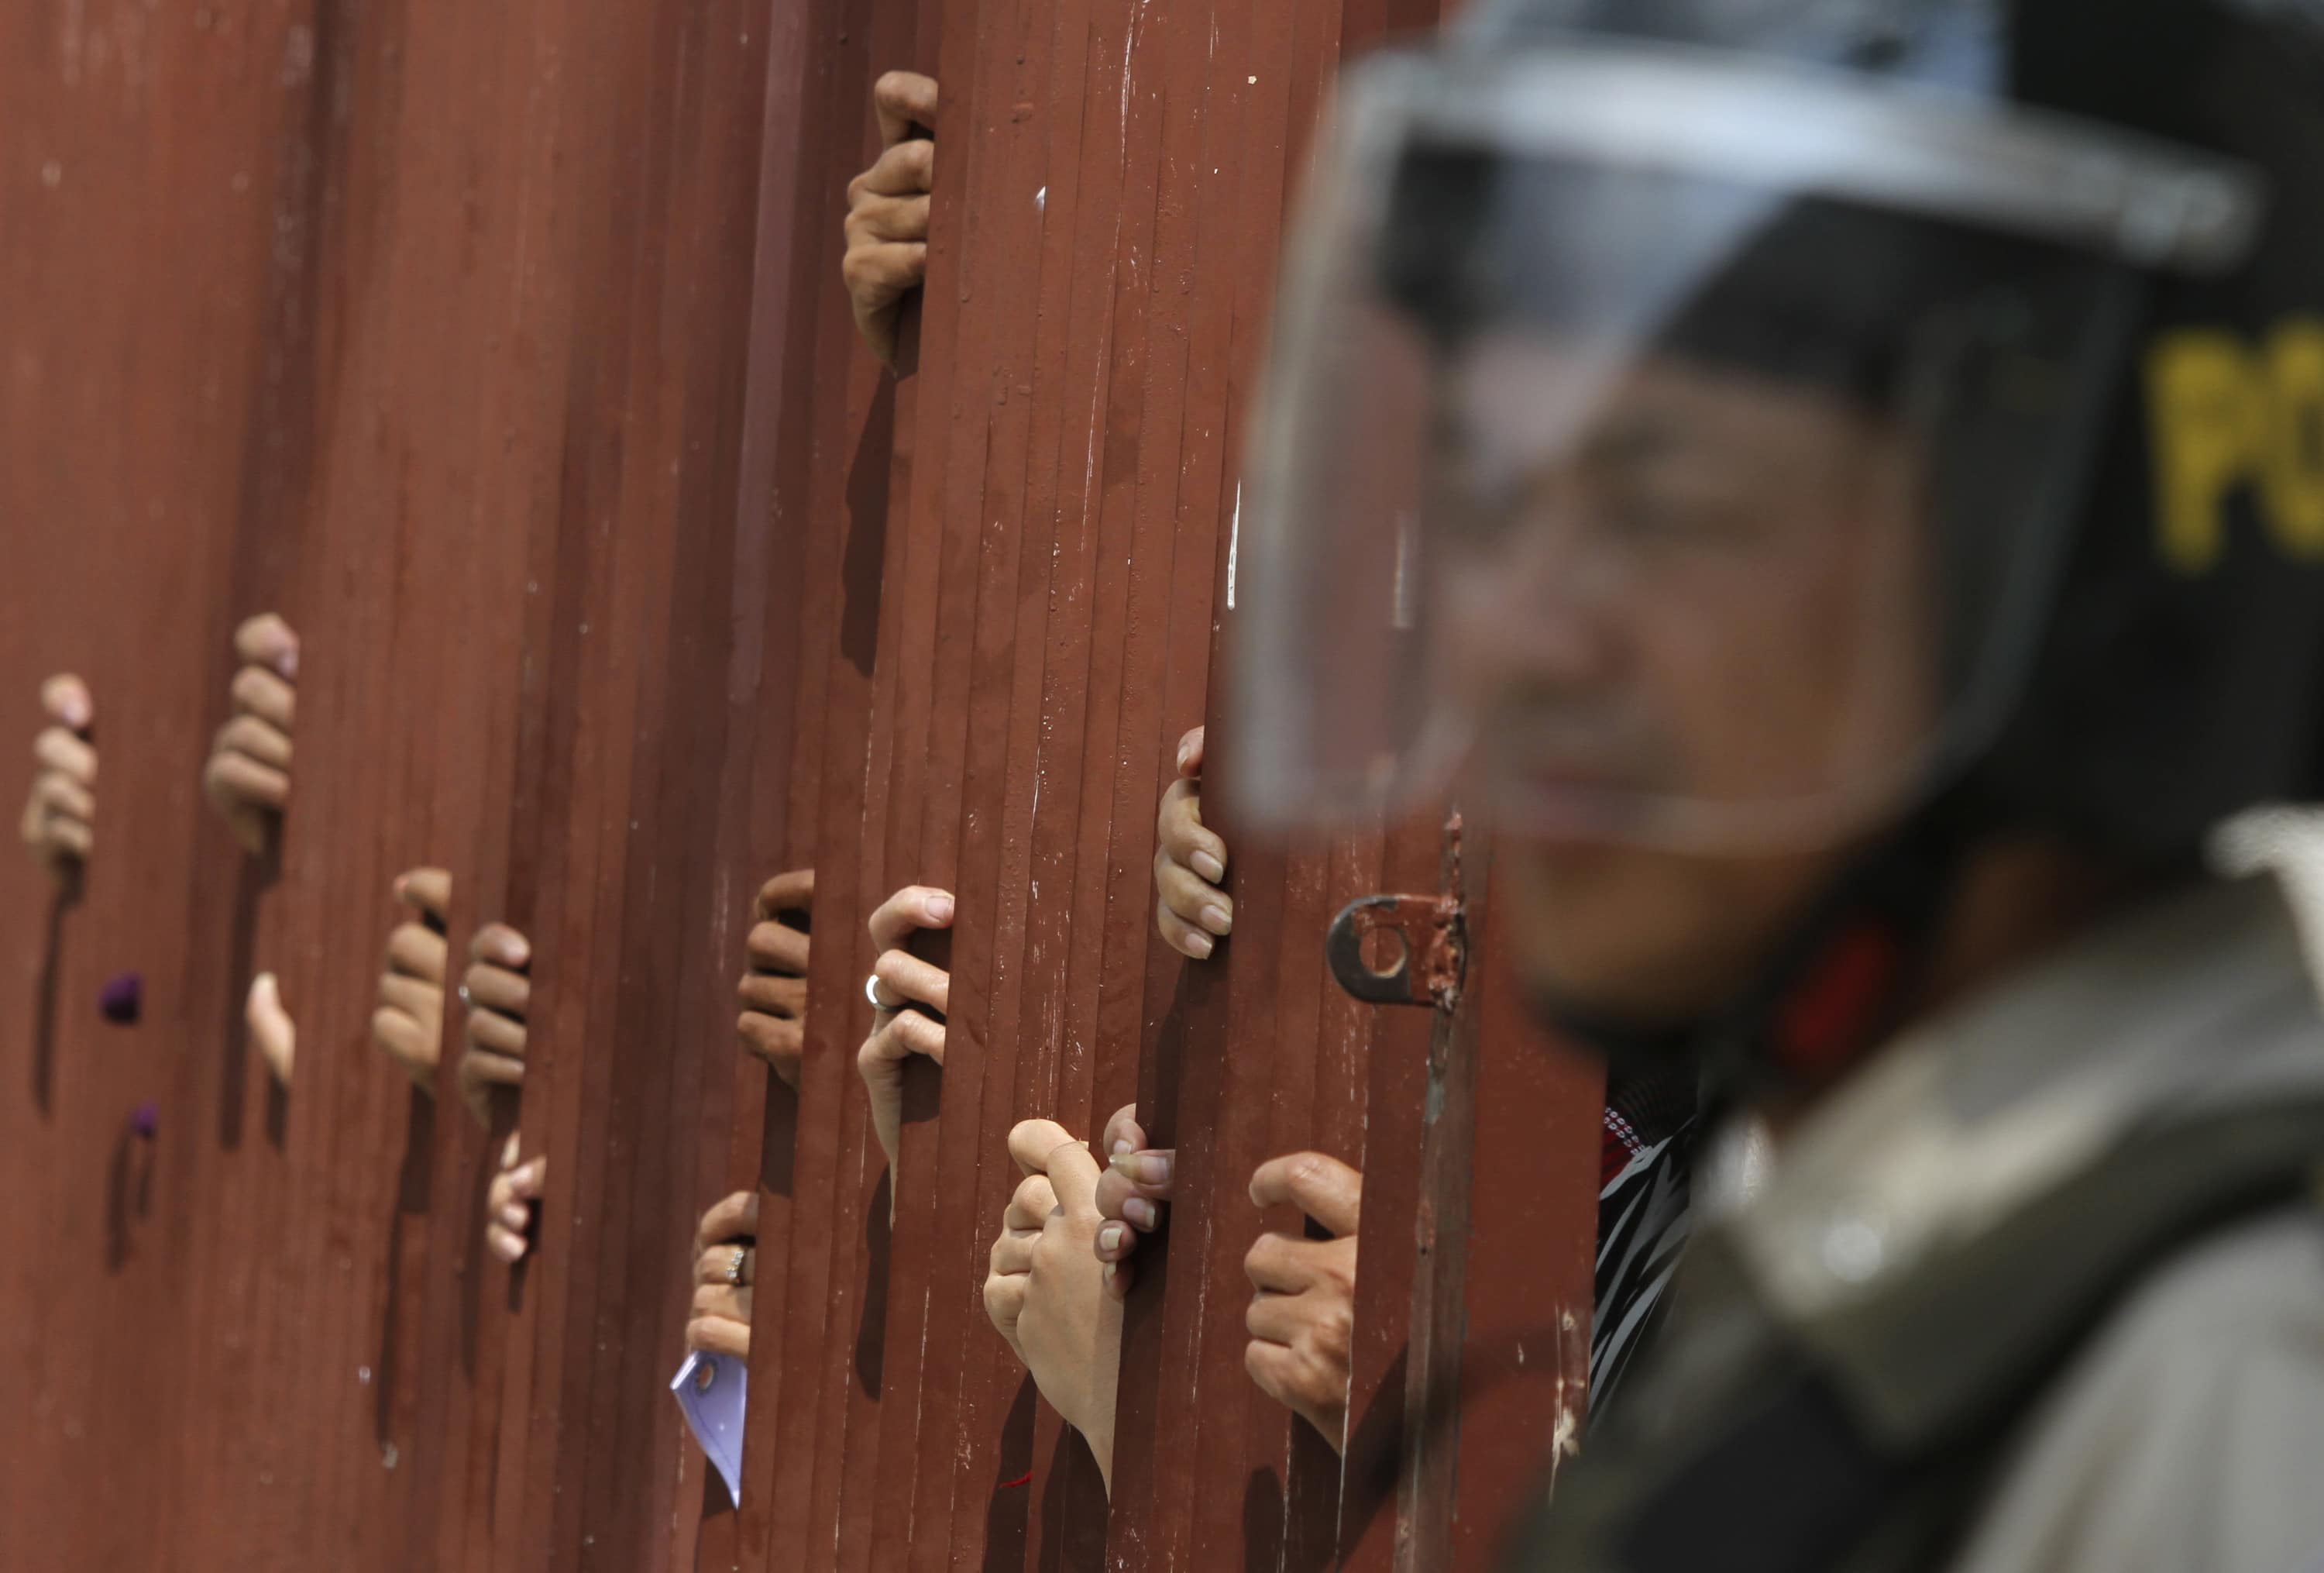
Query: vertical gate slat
{"x": 796, "y": 549}
{"x": 937, "y": 613}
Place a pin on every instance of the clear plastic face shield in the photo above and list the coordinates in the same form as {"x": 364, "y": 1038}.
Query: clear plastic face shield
{"x": 1665, "y": 448}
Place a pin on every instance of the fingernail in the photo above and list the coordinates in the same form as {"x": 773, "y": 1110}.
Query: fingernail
{"x": 1144, "y": 1167}
{"x": 1199, "y": 943}
{"x": 287, "y": 663}
{"x": 1141, "y": 1212}
{"x": 507, "y": 1249}
{"x": 1208, "y": 866}
{"x": 513, "y": 1217}
{"x": 939, "y": 909}
{"x": 1109, "y": 1273}
{"x": 1123, "y": 1144}
{"x": 1217, "y": 920}
{"x": 1109, "y": 1239}
{"x": 1185, "y": 750}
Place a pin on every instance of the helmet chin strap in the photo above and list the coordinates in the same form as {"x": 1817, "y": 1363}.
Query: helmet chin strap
{"x": 1836, "y": 985}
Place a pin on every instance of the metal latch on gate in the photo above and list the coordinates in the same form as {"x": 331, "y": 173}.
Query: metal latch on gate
{"x": 1425, "y": 935}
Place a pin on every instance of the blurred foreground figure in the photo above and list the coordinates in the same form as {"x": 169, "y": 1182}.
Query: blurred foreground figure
{"x": 1838, "y": 489}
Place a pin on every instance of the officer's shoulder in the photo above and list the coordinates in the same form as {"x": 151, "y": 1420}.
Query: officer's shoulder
{"x": 2259, "y": 1277}
{"x": 2184, "y": 1426}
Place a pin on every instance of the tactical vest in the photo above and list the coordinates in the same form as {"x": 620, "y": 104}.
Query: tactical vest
{"x": 1868, "y": 1441}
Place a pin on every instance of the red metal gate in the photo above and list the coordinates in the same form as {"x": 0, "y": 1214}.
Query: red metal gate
{"x": 502, "y": 349}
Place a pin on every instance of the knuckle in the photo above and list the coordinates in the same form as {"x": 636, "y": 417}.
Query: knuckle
{"x": 1334, "y": 1332}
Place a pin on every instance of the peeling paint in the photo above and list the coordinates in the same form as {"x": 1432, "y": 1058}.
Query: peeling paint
{"x": 1234, "y": 541}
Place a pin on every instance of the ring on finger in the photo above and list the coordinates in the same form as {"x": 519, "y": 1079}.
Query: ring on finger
{"x": 465, "y": 1001}
{"x": 734, "y": 1267}
{"x": 872, "y": 993}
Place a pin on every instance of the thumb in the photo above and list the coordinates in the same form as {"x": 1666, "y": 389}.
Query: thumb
{"x": 1047, "y": 1147}
{"x": 270, "y": 1027}
{"x": 1074, "y": 1176}
{"x": 426, "y": 891}
{"x": 1190, "y": 755}
{"x": 1326, "y": 1190}
{"x": 1122, "y": 1131}
{"x": 901, "y": 100}
{"x": 1031, "y": 1142}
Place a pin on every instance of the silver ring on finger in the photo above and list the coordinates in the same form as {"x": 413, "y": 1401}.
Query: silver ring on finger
{"x": 466, "y": 1004}
{"x": 872, "y": 993}
{"x": 734, "y": 1267}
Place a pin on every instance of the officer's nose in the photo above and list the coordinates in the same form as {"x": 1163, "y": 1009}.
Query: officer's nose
{"x": 1545, "y": 610}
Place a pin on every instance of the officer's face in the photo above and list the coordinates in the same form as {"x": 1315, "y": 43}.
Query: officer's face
{"x": 1713, "y": 607}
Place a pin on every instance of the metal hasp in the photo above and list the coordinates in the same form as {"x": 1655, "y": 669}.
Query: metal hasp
{"x": 1432, "y": 947}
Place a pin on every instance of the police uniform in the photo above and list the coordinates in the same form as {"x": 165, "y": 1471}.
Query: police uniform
{"x": 2040, "y": 1291}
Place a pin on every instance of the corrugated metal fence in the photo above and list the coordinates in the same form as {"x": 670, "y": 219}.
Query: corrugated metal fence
{"x": 502, "y": 348}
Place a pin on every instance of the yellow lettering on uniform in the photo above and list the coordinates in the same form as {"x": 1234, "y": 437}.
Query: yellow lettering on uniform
{"x": 2294, "y": 471}
{"x": 2207, "y": 408}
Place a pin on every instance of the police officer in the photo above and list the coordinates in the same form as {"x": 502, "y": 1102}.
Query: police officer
{"x": 1837, "y": 488}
